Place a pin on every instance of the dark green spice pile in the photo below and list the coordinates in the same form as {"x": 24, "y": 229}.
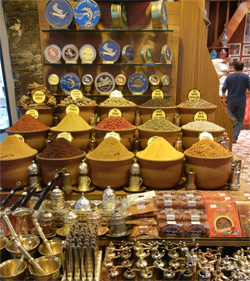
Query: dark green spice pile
{"x": 157, "y": 103}
{"x": 158, "y": 124}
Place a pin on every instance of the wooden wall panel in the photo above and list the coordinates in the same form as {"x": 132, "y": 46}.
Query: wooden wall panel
{"x": 195, "y": 68}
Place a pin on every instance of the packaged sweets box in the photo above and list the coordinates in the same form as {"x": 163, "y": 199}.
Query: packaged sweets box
{"x": 244, "y": 215}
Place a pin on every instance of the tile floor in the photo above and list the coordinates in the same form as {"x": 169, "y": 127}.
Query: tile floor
{"x": 242, "y": 150}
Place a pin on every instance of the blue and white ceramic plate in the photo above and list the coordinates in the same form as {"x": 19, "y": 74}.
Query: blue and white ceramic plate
{"x": 137, "y": 83}
{"x": 109, "y": 51}
{"x": 59, "y": 13}
{"x": 69, "y": 82}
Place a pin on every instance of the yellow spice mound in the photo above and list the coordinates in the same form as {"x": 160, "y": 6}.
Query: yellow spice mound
{"x": 160, "y": 149}
{"x": 72, "y": 122}
{"x": 12, "y": 147}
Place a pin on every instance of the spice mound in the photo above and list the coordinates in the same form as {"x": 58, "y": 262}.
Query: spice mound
{"x": 197, "y": 103}
{"x": 79, "y": 102}
{"x": 204, "y": 126}
{"x": 72, "y": 122}
{"x": 114, "y": 123}
{"x": 157, "y": 103}
{"x": 61, "y": 148}
{"x": 158, "y": 124}
{"x": 27, "y": 123}
{"x": 12, "y": 147}
{"x": 117, "y": 102}
{"x": 207, "y": 148}
{"x": 160, "y": 149}
{"x": 110, "y": 149}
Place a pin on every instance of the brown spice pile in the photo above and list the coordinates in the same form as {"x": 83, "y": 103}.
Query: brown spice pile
{"x": 12, "y": 147}
{"x": 110, "y": 149}
{"x": 207, "y": 148}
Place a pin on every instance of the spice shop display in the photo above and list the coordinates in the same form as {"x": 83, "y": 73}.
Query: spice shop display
{"x": 191, "y": 132}
{"x": 196, "y": 110}
{"x": 122, "y": 107}
{"x": 74, "y": 129}
{"x": 32, "y": 130}
{"x": 15, "y": 158}
{"x": 210, "y": 162}
{"x": 60, "y": 154}
{"x": 151, "y": 107}
{"x": 119, "y": 125}
{"x": 109, "y": 163}
{"x": 158, "y": 127}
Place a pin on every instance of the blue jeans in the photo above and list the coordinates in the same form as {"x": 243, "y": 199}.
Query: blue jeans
{"x": 239, "y": 113}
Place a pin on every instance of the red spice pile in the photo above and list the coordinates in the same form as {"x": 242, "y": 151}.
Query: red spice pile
{"x": 27, "y": 123}
{"x": 61, "y": 148}
{"x": 114, "y": 123}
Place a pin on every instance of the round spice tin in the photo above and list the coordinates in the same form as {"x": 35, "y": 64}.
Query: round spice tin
{"x": 137, "y": 83}
{"x": 159, "y": 14}
{"x": 119, "y": 15}
{"x": 87, "y": 14}
{"x": 87, "y": 79}
{"x": 87, "y": 53}
{"x": 154, "y": 80}
{"x": 104, "y": 83}
{"x": 59, "y": 13}
{"x": 70, "y": 81}
{"x": 109, "y": 51}
{"x": 53, "y": 80}
{"x": 128, "y": 53}
{"x": 70, "y": 53}
{"x": 53, "y": 53}
{"x": 120, "y": 80}
{"x": 147, "y": 54}
{"x": 166, "y": 54}
{"x": 164, "y": 80}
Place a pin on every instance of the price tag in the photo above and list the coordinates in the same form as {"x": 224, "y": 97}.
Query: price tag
{"x": 72, "y": 108}
{"x": 116, "y": 94}
{"x": 200, "y": 116}
{"x": 157, "y": 94}
{"x": 227, "y": 198}
{"x": 195, "y": 222}
{"x": 114, "y": 135}
{"x": 38, "y": 97}
{"x": 206, "y": 135}
{"x": 194, "y": 94}
{"x": 152, "y": 139}
{"x": 140, "y": 207}
{"x": 65, "y": 135}
{"x": 76, "y": 94}
{"x": 191, "y": 203}
{"x": 213, "y": 206}
{"x": 19, "y": 137}
{"x": 143, "y": 226}
{"x": 171, "y": 222}
{"x": 159, "y": 113}
{"x": 115, "y": 112}
{"x": 195, "y": 217}
{"x": 246, "y": 194}
{"x": 222, "y": 194}
{"x": 168, "y": 202}
{"x": 170, "y": 217}
{"x": 34, "y": 113}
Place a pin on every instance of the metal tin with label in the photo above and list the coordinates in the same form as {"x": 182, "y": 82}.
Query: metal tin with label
{"x": 53, "y": 80}
{"x": 166, "y": 54}
{"x": 70, "y": 81}
{"x": 154, "y": 81}
{"x": 120, "y": 81}
{"x": 59, "y": 13}
{"x": 164, "y": 82}
{"x": 70, "y": 53}
{"x": 159, "y": 14}
{"x": 128, "y": 53}
{"x": 109, "y": 51}
{"x": 147, "y": 54}
{"x": 87, "y": 81}
{"x": 53, "y": 53}
{"x": 87, "y": 14}
{"x": 119, "y": 15}
{"x": 104, "y": 83}
{"x": 137, "y": 83}
{"x": 87, "y": 53}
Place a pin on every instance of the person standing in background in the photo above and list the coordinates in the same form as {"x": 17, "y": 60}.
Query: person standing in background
{"x": 237, "y": 85}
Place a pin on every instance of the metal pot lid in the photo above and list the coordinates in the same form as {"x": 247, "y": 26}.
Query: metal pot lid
{"x": 70, "y": 216}
{"x": 117, "y": 216}
{"x": 56, "y": 192}
{"x": 45, "y": 215}
{"x": 82, "y": 204}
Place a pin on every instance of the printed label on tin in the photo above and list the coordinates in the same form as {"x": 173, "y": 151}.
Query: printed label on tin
{"x": 39, "y": 97}
{"x": 157, "y": 94}
{"x": 34, "y": 113}
{"x": 194, "y": 94}
{"x": 116, "y": 94}
{"x": 87, "y": 53}
{"x": 70, "y": 81}
{"x": 120, "y": 80}
{"x": 115, "y": 112}
{"x": 53, "y": 80}
{"x": 109, "y": 51}
{"x": 104, "y": 83}
{"x": 65, "y": 135}
{"x": 200, "y": 116}
{"x": 128, "y": 53}
{"x": 87, "y": 79}
{"x": 52, "y": 53}
{"x": 76, "y": 94}
{"x": 137, "y": 83}
{"x": 70, "y": 53}
{"x": 159, "y": 113}
{"x": 114, "y": 135}
{"x": 72, "y": 108}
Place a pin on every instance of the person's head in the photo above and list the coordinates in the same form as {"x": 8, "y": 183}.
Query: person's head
{"x": 238, "y": 65}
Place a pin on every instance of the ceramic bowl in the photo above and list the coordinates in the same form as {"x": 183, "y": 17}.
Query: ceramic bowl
{"x": 80, "y": 138}
{"x": 210, "y": 173}
{"x": 56, "y": 246}
{"x": 145, "y": 135}
{"x": 112, "y": 173}
{"x": 7, "y": 270}
{"x": 189, "y": 137}
{"x": 128, "y": 112}
{"x": 45, "y": 114}
{"x": 49, "y": 166}
{"x": 35, "y": 139}
{"x": 51, "y": 265}
{"x": 86, "y": 111}
{"x": 187, "y": 114}
{"x": 127, "y": 136}
{"x": 14, "y": 170}
{"x": 146, "y": 112}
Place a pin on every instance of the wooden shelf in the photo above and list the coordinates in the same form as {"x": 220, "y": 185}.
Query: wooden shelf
{"x": 109, "y": 65}
{"x": 73, "y": 31}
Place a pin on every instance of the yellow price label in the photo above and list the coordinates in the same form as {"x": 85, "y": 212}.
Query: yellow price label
{"x": 115, "y": 112}
{"x": 159, "y": 113}
{"x": 39, "y": 97}
{"x": 114, "y": 135}
{"x": 206, "y": 135}
{"x": 194, "y": 94}
{"x": 76, "y": 94}
{"x": 72, "y": 108}
{"x": 200, "y": 116}
{"x": 34, "y": 113}
{"x": 65, "y": 135}
{"x": 157, "y": 94}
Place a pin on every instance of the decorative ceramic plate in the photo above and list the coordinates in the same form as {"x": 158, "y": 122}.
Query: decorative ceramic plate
{"x": 70, "y": 81}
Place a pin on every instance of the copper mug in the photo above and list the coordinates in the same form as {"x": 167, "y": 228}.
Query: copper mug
{"x": 21, "y": 220}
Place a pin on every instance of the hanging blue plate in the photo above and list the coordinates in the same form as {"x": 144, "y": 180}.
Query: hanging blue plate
{"x": 69, "y": 82}
{"x": 137, "y": 83}
{"x": 87, "y": 13}
{"x": 109, "y": 51}
{"x": 59, "y": 13}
